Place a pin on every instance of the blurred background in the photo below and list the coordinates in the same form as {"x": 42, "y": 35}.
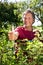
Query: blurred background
{"x": 11, "y": 16}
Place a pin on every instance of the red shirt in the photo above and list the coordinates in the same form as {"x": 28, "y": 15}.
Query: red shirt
{"x": 25, "y": 34}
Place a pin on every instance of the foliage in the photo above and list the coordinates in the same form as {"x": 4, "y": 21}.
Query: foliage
{"x": 9, "y": 12}
{"x": 37, "y": 6}
{"x": 29, "y": 52}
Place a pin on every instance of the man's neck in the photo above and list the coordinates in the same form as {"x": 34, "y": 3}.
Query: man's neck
{"x": 29, "y": 28}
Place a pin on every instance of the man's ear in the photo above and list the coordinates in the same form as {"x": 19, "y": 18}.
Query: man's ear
{"x": 33, "y": 21}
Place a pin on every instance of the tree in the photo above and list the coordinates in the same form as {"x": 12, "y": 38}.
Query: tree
{"x": 37, "y": 6}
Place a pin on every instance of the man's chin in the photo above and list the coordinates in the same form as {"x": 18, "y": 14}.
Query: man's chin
{"x": 27, "y": 25}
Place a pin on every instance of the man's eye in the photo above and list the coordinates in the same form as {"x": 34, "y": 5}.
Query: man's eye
{"x": 25, "y": 18}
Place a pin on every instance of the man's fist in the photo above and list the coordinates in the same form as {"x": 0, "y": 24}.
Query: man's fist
{"x": 13, "y": 35}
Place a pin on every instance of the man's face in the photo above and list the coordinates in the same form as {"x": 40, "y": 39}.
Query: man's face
{"x": 28, "y": 19}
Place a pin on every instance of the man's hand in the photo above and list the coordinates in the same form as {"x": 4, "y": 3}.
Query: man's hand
{"x": 13, "y": 35}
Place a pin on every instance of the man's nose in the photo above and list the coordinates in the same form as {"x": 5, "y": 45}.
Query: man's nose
{"x": 26, "y": 20}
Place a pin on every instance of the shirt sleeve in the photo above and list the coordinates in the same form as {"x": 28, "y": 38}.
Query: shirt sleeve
{"x": 20, "y": 31}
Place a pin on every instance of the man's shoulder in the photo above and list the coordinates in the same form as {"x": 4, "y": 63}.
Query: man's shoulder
{"x": 19, "y": 27}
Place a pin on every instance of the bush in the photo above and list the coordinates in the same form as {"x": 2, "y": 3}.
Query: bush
{"x": 27, "y": 53}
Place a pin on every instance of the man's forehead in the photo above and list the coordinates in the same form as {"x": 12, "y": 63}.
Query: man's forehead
{"x": 27, "y": 14}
